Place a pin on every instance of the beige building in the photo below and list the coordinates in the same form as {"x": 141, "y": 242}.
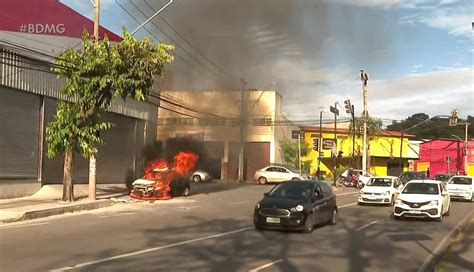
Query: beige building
{"x": 213, "y": 118}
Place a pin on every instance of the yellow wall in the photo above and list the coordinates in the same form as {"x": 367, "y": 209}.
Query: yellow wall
{"x": 383, "y": 149}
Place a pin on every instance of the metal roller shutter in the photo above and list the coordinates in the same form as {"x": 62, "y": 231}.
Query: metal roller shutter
{"x": 19, "y": 125}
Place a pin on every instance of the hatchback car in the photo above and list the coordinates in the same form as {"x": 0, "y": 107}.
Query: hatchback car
{"x": 461, "y": 187}
{"x": 296, "y": 206}
{"x": 380, "y": 190}
{"x": 407, "y": 176}
{"x": 276, "y": 174}
{"x": 442, "y": 177}
{"x": 423, "y": 198}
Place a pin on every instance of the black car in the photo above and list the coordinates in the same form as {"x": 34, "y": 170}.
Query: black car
{"x": 296, "y": 205}
{"x": 443, "y": 177}
{"x": 407, "y": 176}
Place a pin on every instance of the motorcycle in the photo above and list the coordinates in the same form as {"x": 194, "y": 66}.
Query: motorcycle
{"x": 352, "y": 181}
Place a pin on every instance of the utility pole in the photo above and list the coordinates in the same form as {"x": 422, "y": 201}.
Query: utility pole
{"x": 335, "y": 144}
{"x": 242, "y": 132}
{"x": 466, "y": 149}
{"x": 364, "y": 78}
{"x": 320, "y": 149}
{"x": 453, "y": 121}
{"x": 299, "y": 152}
{"x": 93, "y": 155}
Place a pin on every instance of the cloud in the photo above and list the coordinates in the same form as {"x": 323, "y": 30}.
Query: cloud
{"x": 456, "y": 21}
{"x": 434, "y": 93}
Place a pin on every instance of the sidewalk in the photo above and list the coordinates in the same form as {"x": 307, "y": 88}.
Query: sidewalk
{"x": 46, "y": 202}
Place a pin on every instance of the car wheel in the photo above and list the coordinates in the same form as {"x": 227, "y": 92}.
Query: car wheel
{"x": 333, "y": 220}
{"x": 197, "y": 178}
{"x": 472, "y": 197}
{"x": 308, "y": 225}
{"x": 262, "y": 180}
{"x": 448, "y": 211}
{"x": 440, "y": 218}
{"x": 257, "y": 226}
{"x": 295, "y": 179}
{"x": 186, "y": 191}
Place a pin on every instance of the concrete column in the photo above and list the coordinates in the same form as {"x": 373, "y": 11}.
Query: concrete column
{"x": 225, "y": 162}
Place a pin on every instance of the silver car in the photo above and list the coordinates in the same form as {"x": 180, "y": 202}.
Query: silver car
{"x": 199, "y": 176}
{"x": 276, "y": 174}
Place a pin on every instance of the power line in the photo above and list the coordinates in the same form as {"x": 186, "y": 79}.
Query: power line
{"x": 177, "y": 44}
{"x": 189, "y": 43}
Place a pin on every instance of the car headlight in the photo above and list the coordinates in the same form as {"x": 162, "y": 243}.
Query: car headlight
{"x": 257, "y": 206}
{"x": 149, "y": 188}
{"x": 386, "y": 193}
{"x": 398, "y": 201}
{"x": 298, "y": 208}
{"x": 433, "y": 203}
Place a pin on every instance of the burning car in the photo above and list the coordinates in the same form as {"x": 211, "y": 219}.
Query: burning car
{"x": 161, "y": 181}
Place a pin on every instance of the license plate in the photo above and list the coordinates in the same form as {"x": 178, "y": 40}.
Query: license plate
{"x": 273, "y": 220}
{"x": 414, "y": 212}
{"x": 372, "y": 197}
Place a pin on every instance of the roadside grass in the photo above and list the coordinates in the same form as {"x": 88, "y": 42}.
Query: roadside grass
{"x": 441, "y": 267}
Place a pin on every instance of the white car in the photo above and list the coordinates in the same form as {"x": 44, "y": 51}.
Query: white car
{"x": 276, "y": 174}
{"x": 380, "y": 190}
{"x": 423, "y": 198}
{"x": 364, "y": 176}
{"x": 199, "y": 175}
{"x": 461, "y": 187}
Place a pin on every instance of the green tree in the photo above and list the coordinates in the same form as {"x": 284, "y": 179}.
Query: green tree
{"x": 95, "y": 75}
{"x": 373, "y": 127}
{"x": 289, "y": 151}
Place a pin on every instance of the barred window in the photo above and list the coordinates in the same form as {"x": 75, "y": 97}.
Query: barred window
{"x": 179, "y": 121}
{"x": 267, "y": 121}
{"x": 212, "y": 122}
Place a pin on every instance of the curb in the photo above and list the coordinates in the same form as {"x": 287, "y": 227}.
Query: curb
{"x": 60, "y": 210}
{"x": 435, "y": 257}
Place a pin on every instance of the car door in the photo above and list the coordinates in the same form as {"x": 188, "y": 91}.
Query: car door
{"x": 271, "y": 174}
{"x": 318, "y": 203}
{"x": 284, "y": 174}
{"x": 445, "y": 196}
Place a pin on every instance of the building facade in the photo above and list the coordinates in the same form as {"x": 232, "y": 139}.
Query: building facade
{"x": 445, "y": 156}
{"x": 383, "y": 151}
{"x": 214, "y": 118}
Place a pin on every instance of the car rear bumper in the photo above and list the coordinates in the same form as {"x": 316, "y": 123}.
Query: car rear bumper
{"x": 406, "y": 211}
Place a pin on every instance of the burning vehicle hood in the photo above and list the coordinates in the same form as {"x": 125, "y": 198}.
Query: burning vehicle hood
{"x": 144, "y": 182}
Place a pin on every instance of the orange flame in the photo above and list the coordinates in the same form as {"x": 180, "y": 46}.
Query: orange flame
{"x": 155, "y": 164}
{"x": 184, "y": 161}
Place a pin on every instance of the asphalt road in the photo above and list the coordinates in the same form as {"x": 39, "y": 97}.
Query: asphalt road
{"x": 213, "y": 231}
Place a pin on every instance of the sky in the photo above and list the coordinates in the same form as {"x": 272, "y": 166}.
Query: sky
{"x": 418, "y": 53}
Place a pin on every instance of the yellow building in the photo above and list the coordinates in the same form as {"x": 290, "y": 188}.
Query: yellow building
{"x": 383, "y": 151}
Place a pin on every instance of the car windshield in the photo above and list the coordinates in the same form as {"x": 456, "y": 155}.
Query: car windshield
{"x": 461, "y": 181}
{"x": 292, "y": 169}
{"x": 294, "y": 190}
{"x": 441, "y": 177}
{"x": 421, "y": 188}
{"x": 382, "y": 182}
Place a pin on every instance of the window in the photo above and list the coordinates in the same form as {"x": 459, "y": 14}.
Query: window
{"x": 212, "y": 122}
{"x": 262, "y": 121}
{"x": 178, "y": 121}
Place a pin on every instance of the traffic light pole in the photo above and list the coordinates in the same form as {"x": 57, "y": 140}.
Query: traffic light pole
{"x": 335, "y": 144}
{"x": 320, "y": 143}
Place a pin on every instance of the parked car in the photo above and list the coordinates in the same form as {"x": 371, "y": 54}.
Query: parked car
{"x": 276, "y": 174}
{"x": 461, "y": 187}
{"x": 364, "y": 176}
{"x": 296, "y": 206}
{"x": 442, "y": 177}
{"x": 199, "y": 176}
{"x": 407, "y": 176}
{"x": 157, "y": 187}
{"x": 381, "y": 190}
{"x": 423, "y": 198}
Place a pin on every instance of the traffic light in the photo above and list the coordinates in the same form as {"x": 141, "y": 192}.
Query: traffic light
{"x": 348, "y": 106}
{"x": 316, "y": 144}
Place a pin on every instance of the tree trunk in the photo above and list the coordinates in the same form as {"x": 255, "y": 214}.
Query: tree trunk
{"x": 68, "y": 186}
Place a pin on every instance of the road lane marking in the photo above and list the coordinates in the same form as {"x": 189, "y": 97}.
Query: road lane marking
{"x": 343, "y": 206}
{"x": 265, "y": 265}
{"x": 366, "y": 225}
{"x": 22, "y": 226}
{"x": 121, "y": 256}
{"x": 237, "y": 203}
{"x": 114, "y": 215}
{"x": 351, "y": 193}
{"x": 439, "y": 249}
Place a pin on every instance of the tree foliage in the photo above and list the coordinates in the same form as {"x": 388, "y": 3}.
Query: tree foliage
{"x": 437, "y": 127}
{"x": 95, "y": 75}
{"x": 289, "y": 151}
{"x": 373, "y": 126}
